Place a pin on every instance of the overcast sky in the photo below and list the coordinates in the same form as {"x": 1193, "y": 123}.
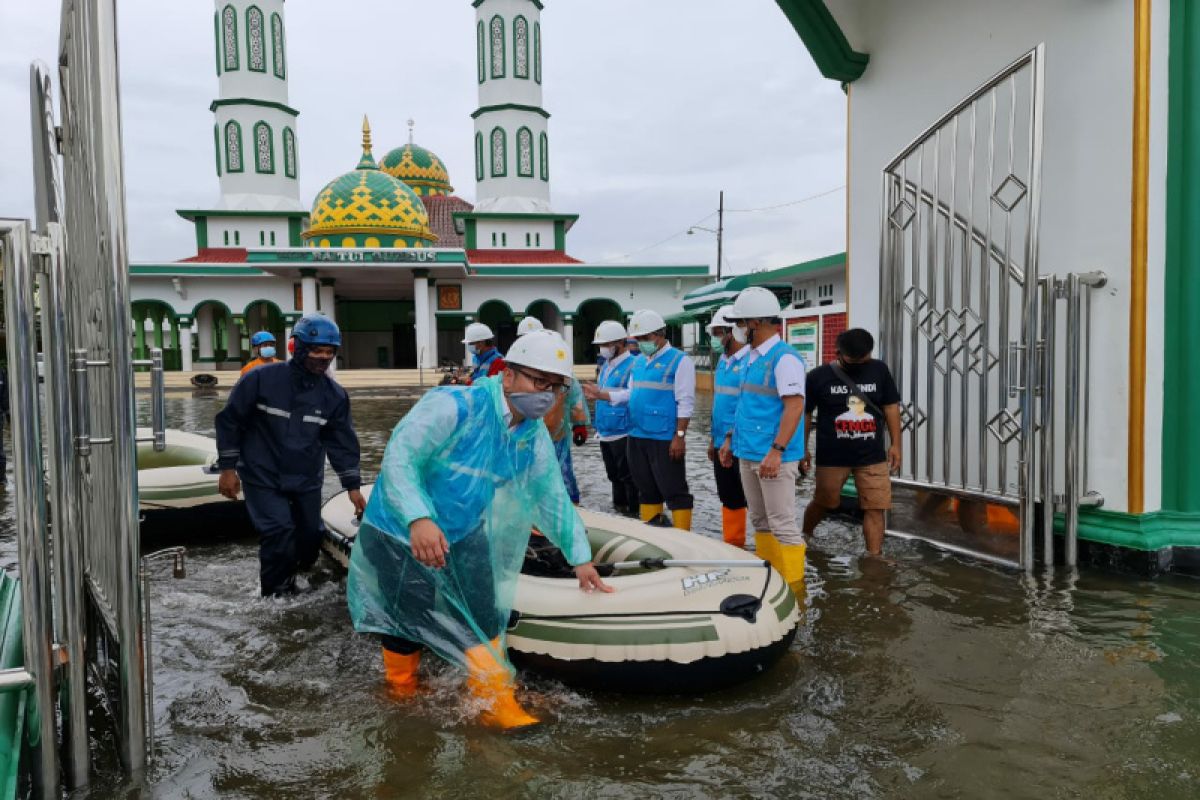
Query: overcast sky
{"x": 656, "y": 106}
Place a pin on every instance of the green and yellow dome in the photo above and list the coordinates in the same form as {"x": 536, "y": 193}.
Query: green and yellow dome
{"x": 368, "y": 208}
{"x": 419, "y": 168}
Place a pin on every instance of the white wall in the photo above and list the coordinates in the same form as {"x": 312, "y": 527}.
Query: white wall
{"x": 247, "y": 230}
{"x": 926, "y": 55}
{"x": 236, "y": 293}
{"x": 515, "y": 230}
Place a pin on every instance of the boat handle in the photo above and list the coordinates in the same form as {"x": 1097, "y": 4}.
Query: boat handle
{"x": 666, "y": 563}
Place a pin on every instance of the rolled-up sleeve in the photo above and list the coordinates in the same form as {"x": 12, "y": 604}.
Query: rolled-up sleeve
{"x": 685, "y": 388}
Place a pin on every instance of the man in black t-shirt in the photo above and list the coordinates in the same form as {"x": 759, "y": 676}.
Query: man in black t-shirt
{"x": 850, "y": 434}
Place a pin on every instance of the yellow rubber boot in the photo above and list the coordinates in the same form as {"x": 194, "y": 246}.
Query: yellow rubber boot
{"x": 490, "y": 681}
{"x": 766, "y": 546}
{"x": 682, "y": 518}
{"x": 789, "y": 561}
{"x": 400, "y": 672}
{"x": 648, "y": 511}
{"x": 733, "y": 526}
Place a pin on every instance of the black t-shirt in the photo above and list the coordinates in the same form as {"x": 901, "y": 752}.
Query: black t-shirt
{"x": 849, "y": 432}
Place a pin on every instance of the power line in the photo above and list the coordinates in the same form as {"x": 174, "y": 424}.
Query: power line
{"x": 659, "y": 243}
{"x": 785, "y": 205}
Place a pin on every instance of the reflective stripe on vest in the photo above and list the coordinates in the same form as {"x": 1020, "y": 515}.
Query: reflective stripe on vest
{"x": 613, "y": 420}
{"x": 652, "y": 399}
{"x": 760, "y": 408}
{"x": 726, "y": 387}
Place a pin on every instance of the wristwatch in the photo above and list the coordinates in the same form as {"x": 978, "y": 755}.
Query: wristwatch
{"x": 781, "y": 448}
{"x": 681, "y": 434}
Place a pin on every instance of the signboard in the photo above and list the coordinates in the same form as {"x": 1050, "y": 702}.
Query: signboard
{"x": 449, "y": 297}
{"x": 805, "y": 336}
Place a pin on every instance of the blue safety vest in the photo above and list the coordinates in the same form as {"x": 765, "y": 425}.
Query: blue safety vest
{"x": 760, "y": 408}
{"x": 613, "y": 420}
{"x": 727, "y": 382}
{"x": 652, "y": 396}
{"x": 485, "y": 363}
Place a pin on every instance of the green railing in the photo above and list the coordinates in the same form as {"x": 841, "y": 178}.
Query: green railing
{"x": 14, "y": 703}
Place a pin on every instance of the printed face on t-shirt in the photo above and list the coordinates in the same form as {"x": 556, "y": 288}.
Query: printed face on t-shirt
{"x": 856, "y": 423}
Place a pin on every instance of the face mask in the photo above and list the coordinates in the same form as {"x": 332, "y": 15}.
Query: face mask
{"x": 648, "y": 348}
{"x": 717, "y": 343}
{"x": 317, "y": 366}
{"x": 267, "y": 352}
{"x": 532, "y": 405}
{"x": 608, "y": 352}
{"x": 740, "y": 335}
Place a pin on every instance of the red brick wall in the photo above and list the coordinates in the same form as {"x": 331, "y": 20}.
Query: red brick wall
{"x": 832, "y": 325}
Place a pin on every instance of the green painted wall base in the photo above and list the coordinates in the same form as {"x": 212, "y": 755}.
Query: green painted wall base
{"x": 1152, "y": 531}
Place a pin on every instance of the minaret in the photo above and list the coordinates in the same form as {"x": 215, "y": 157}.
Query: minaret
{"x": 512, "y": 141}
{"x": 512, "y": 155}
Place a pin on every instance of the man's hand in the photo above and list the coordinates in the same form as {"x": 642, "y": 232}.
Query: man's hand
{"x": 589, "y": 579}
{"x": 360, "y": 502}
{"x": 678, "y": 448}
{"x": 769, "y": 466}
{"x": 806, "y": 464}
{"x": 229, "y": 485}
{"x": 712, "y": 452}
{"x": 726, "y": 454}
{"x": 895, "y": 458}
{"x": 593, "y": 392}
{"x": 580, "y": 435}
{"x": 429, "y": 545}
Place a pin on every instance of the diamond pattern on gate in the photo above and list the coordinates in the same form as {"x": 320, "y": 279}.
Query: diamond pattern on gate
{"x": 958, "y": 331}
{"x": 916, "y": 303}
{"x": 902, "y": 215}
{"x": 1009, "y": 193}
{"x": 1005, "y": 426}
{"x": 911, "y": 417}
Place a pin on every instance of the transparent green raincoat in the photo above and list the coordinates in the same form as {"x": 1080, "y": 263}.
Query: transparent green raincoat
{"x": 454, "y": 460}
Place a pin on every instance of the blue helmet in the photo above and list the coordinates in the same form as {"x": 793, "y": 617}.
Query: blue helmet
{"x": 317, "y": 329}
{"x": 262, "y": 337}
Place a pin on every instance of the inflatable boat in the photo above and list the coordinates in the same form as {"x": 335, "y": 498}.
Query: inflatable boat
{"x": 181, "y": 476}
{"x": 675, "y": 624}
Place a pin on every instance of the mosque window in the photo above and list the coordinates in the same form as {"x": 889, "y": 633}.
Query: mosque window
{"x": 237, "y": 237}
{"x": 256, "y": 53}
{"x": 272, "y": 238}
{"x": 229, "y": 37}
{"x": 262, "y": 238}
{"x": 217, "y": 38}
{"x": 504, "y": 240}
{"x": 264, "y": 148}
{"x": 233, "y": 147}
{"x": 493, "y": 238}
{"x": 277, "y": 56}
{"x": 227, "y": 238}
{"x": 499, "y": 153}
{"x": 537, "y": 52}
{"x": 528, "y": 240}
{"x": 289, "y": 153}
{"x": 545, "y": 156}
{"x": 498, "y": 55}
{"x": 217, "y": 147}
{"x": 478, "y": 156}
{"x": 538, "y": 239}
{"x": 480, "y": 56}
{"x": 520, "y": 47}
{"x": 525, "y": 153}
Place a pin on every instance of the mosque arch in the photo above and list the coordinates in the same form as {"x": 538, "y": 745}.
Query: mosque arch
{"x": 264, "y": 315}
{"x": 264, "y": 148}
{"x": 498, "y": 52}
{"x": 289, "y": 152}
{"x": 233, "y": 146}
{"x": 544, "y": 155}
{"x": 524, "y": 152}
{"x": 498, "y": 316}
{"x": 229, "y": 38}
{"x": 156, "y": 313}
{"x": 256, "y": 48}
{"x": 521, "y": 47}
{"x": 278, "y": 54}
{"x": 499, "y": 152}
{"x": 588, "y": 317}
{"x": 480, "y": 51}
{"x": 479, "y": 174}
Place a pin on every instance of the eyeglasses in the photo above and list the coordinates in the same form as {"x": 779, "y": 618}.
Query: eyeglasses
{"x": 542, "y": 384}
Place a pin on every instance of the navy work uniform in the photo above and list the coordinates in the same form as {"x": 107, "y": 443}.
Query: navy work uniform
{"x": 276, "y": 429}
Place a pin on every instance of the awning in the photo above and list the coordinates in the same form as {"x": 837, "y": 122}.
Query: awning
{"x": 682, "y": 318}
{"x": 715, "y": 295}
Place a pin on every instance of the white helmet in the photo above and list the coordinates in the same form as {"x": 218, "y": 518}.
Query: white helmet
{"x": 529, "y": 325}
{"x": 609, "y": 331}
{"x": 542, "y": 350}
{"x": 720, "y": 319}
{"x": 646, "y": 321}
{"x": 754, "y": 303}
{"x": 478, "y": 332}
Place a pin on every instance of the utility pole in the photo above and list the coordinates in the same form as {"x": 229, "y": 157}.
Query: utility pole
{"x": 720, "y": 231}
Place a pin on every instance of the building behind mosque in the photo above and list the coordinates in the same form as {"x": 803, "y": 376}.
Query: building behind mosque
{"x": 387, "y": 249}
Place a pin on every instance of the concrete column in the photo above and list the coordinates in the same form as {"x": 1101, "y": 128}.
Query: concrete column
{"x": 468, "y": 350}
{"x": 139, "y": 333}
{"x": 233, "y": 338}
{"x": 308, "y": 292}
{"x": 433, "y": 325}
{"x": 568, "y": 334}
{"x": 421, "y": 304}
{"x": 204, "y": 333}
{"x": 185, "y": 344}
{"x": 326, "y": 299}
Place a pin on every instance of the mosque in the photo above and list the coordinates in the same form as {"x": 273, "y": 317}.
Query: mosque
{"x": 387, "y": 249}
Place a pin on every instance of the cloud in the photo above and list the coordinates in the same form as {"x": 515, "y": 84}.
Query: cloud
{"x": 656, "y": 107}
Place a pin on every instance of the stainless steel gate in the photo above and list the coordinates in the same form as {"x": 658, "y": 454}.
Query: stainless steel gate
{"x": 959, "y": 283}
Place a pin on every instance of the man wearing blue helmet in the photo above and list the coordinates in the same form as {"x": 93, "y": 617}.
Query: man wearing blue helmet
{"x": 263, "y": 343}
{"x": 273, "y": 436}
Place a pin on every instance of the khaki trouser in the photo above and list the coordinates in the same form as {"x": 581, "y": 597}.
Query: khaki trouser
{"x": 772, "y": 501}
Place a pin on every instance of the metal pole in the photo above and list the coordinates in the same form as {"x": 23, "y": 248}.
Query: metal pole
{"x": 37, "y": 620}
{"x": 720, "y": 231}
{"x": 1073, "y": 490}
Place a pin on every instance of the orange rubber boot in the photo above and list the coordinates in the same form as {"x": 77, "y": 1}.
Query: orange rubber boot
{"x": 733, "y": 526}
{"x": 400, "y": 672}
{"x": 490, "y": 681}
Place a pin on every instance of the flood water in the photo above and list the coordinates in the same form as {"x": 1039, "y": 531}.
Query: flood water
{"x": 930, "y": 677}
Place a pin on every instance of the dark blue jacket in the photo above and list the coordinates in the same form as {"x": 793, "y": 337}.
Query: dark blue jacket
{"x": 278, "y": 425}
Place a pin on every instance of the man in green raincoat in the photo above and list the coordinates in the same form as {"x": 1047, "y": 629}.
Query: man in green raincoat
{"x": 466, "y": 475}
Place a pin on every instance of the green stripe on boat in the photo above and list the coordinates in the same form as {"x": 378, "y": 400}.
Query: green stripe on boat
{"x": 600, "y": 636}
{"x": 789, "y": 603}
